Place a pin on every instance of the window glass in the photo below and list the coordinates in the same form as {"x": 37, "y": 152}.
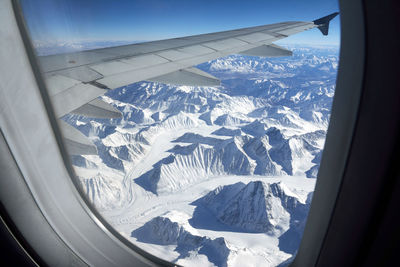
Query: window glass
{"x": 198, "y": 175}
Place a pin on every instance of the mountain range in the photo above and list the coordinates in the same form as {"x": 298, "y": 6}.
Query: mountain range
{"x": 267, "y": 120}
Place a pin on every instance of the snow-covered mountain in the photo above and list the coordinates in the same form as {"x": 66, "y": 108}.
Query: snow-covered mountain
{"x": 255, "y": 207}
{"x": 172, "y": 229}
{"x": 246, "y": 209}
{"x": 267, "y": 120}
{"x": 270, "y": 208}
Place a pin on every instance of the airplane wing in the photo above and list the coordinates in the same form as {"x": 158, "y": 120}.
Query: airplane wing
{"x": 76, "y": 80}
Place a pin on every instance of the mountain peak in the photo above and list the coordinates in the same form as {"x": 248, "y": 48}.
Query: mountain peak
{"x": 255, "y": 207}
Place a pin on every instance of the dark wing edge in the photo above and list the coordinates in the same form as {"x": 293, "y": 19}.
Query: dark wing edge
{"x": 323, "y": 23}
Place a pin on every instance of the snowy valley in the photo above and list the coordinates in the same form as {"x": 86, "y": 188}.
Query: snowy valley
{"x": 214, "y": 176}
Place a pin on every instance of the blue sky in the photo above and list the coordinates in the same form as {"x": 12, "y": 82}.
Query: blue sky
{"x": 146, "y": 20}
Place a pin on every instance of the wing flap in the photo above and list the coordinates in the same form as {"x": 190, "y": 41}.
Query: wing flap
{"x": 128, "y": 64}
{"x": 268, "y": 51}
{"x": 75, "y": 142}
{"x": 58, "y": 83}
{"x": 98, "y": 109}
{"x": 172, "y": 55}
{"x": 82, "y": 73}
{"x": 255, "y": 37}
{"x": 112, "y": 67}
{"x": 189, "y": 76}
{"x": 225, "y": 44}
{"x": 72, "y": 60}
{"x": 74, "y": 97}
{"x": 195, "y": 50}
{"x": 134, "y": 49}
{"x": 145, "y": 61}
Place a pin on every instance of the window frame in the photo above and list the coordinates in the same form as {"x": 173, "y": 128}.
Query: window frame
{"x": 70, "y": 230}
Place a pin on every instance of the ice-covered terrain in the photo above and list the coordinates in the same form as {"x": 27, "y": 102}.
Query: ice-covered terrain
{"x": 214, "y": 176}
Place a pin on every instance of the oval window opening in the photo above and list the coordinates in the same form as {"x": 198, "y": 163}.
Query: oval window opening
{"x": 202, "y": 150}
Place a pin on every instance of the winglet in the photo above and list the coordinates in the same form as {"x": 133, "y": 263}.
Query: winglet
{"x": 323, "y": 23}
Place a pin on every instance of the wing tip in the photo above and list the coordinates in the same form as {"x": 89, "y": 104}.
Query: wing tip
{"x": 323, "y": 23}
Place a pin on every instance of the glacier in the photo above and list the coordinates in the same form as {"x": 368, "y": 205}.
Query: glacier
{"x": 214, "y": 176}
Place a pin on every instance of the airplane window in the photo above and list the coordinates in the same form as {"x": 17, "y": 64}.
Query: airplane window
{"x": 202, "y": 149}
